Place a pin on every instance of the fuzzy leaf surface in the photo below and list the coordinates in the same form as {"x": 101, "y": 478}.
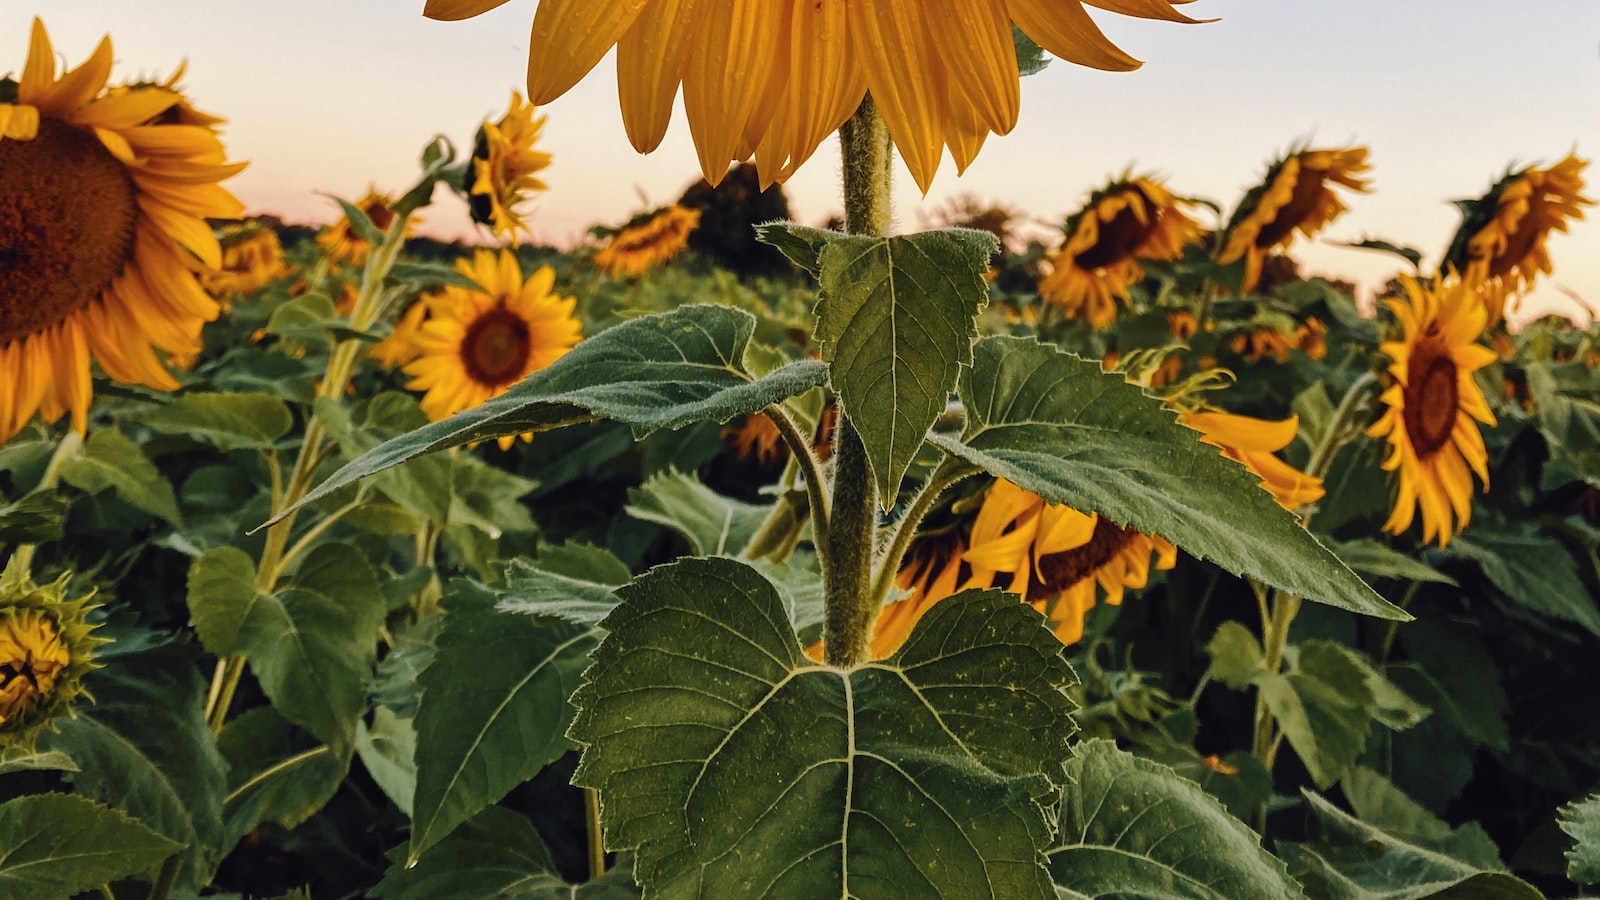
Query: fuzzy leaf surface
{"x": 233, "y": 421}
{"x": 739, "y": 768}
{"x": 1581, "y": 820}
{"x": 1058, "y": 426}
{"x": 574, "y": 583}
{"x": 59, "y": 844}
{"x": 896, "y": 319}
{"x": 111, "y": 460}
{"x": 1133, "y": 828}
{"x": 1324, "y": 703}
{"x": 712, "y": 524}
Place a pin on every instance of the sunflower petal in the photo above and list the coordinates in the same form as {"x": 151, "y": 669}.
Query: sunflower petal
{"x": 650, "y": 62}
{"x": 973, "y": 38}
{"x": 722, "y": 83}
{"x": 569, "y": 37}
{"x": 455, "y": 10}
{"x": 1065, "y": 29}
{"x": 906, "y": 79}
{"x": 39, "y": 72}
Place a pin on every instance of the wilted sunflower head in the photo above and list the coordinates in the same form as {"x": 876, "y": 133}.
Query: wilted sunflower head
{"x": 1296, "y": 196}
{"x": 104, "y": 197}
{"x": 503, "y": 165}
{"x": 46, "y": 647}
{"x": 775, "y": 78}
{"x": 1127, "y": 220}
{"x": 1500, "y": 245}
{"x": 339, "y": 241}
{"x": 252, "y": 258}
{"x": 1434, "y": 406}
{"x": 649, "y": 240}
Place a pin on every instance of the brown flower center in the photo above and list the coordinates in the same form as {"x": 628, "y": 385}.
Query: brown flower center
{"x": 1307, "y": 192}
{"x": 496, "y": 348}
{"x": 1119, "y": 237}
{"x": 31, "y": 656}
{"x": 381, "y": 215}
{"x": 1065, "y": 569}
{"x": 67, "y": 214}
{"x": 1431, "y": 398}
{"x": 1520, "y": 243}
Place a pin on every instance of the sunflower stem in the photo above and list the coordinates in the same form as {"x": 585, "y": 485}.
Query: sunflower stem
{"x": 948, "y": 474}
{"x": 167, "y": 879}
{"x": 597, "y": 847}
{"x": 849, "y": 607}
{"x": 771, "y": 535}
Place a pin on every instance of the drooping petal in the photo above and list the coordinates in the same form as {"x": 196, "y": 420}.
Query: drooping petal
{"x": 569, "y": 37}
{"x": 906, "y": 79}
{"x": 724, "y": 80}
{"x": 650, "y": 62}
{"x": 455, "y": 10}
{"x": 1065, "y": 29}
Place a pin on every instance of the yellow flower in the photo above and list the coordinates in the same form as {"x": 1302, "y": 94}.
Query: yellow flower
{"x": 1128, "y": 220}
{"x": 774, "y": 78}
{"x": 400, "y": 347}
{"x": 102, "y": 201}
{"x": 252, "y": 258}
{"x": 1501, "y": 243}
{"x": 1297, "y": 195}
{"x": 1254, "y": 442}
{"x": 933, "y": 574}
{"x": 1434, "y": 442}
{"x": 46, "y": 647}
{"x": 477, "y": 344}
{"x": 341, "y": 244}
{"x": 503, "y": 167}
{"x": 648, "y": 241}
{"x": 756, "y": 438}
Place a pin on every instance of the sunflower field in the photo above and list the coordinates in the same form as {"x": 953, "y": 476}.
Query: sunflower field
{"x": 727, "y": 557}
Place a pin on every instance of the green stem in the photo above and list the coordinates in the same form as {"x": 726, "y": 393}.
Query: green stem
{"x": 949, "y": 473}
{"x": 867, "y": 152}
{"x": 772, "y": 535}
{"x": 264, "y": 775}
{"x": 167, "y": 879}
{"x": 71, "y": 443}
{"x": 597, "y": 847}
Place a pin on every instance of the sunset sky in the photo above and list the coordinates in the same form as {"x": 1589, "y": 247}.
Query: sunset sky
{"x": 329, "y": 96}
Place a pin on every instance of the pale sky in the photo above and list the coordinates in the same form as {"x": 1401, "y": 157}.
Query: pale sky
{"x": 329, "y": 96}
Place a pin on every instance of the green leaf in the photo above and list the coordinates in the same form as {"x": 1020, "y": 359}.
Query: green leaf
{"x": 739, "y": 768}
{"x": 1380, "y": 804}
{"x": 396, "y": 683}
{"x": 802, "y": 245}
{"x": 53, "y": 761}
{"x": 654, "y": 372}
{"x": 1236, "y": 656}
{"x": 313, "y": 318}
{"x": 360, "y": 223}
{"x": 1131, "y": 827}
{"x": 1058, "y": 426}
{"x": 573, "y": 583}
{"x": 1409, "y": 254}
{"x": 36, "y": 518}
{"x": 1536, "y": 573}
{"x": 144, "y": 748}
{"x": 497, "y": 853}
{"x": 713, "y": 525}
{"x": 226, "y": 421}
{"x": 1376, "y": 560}
{"x": 388, "y": 749}
{"x": 421, "y": 485}
{"x": 1030, "y": 56}
{"x": 1324, "y": 705}
{"x": 275, "y": 772}
{"x": 424, "y": 275}
{"x": 310, "y": 644}
{"x": 1347, "y": 859}
{"x": 896, "y": 318}
{"x": 1581, "y": 820}
{"x": 494, "y": 709}
{"x": 110, "y": 460}
{"x": 57, "y": 845}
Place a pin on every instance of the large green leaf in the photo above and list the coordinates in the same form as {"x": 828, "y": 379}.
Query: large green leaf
{"x": 1324, "y": 705}
{"x": 1347, "y": 859}
{"x": 311, "y": 644}
{"x": 1131, "y": 828}
{"x": 1377, "y": 802}
{"x": 494, "y": 709}
{"x": 144, "y": 748}
{"x": 573, "y": 582}
{"x": 1581, "y": 820}
{"x": 712, "y": 524}
{"x": 111, "y": 461}
{"x": 1057, "y": 425}
{"x": 55, "y": 845}
{"x": 233, "y": 421}
{"x": 276, "y": 773}
{"x": 739, "y": 768}
{"x": 35, "y": 518}
{"x": 389, "y": 751}
{"x": 896, "y": 319}
{"x": 654, "y": 372}
{"x": 495, "y": 854}
{"x": 1535, "y": 572}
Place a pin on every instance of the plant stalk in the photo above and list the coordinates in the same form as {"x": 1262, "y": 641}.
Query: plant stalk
{"x": 597, "y": 847}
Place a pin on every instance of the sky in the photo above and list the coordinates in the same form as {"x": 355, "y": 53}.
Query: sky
{"x": 333, "y": 96}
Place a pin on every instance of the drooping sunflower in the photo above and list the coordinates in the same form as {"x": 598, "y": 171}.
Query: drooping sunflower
{"x": 1296, "y": 196}
{"x": 101, "y": 204}
{"x": 503, "y": 167}
{"x": 46, "y": 647}
{"x": 1434, "y": 407}
{"x": 934, "y": 572}
{"x": 1501, "y": 242}
{"x": 477, "y": 344}
{"x": 1255, "y": 443}
{"x": 339, "y": 241}
{"x": 1123, "y": 222}
{"x": 775, "y": 78}
{"x": 252, "y": 258}
{"x": 648, "y": 241}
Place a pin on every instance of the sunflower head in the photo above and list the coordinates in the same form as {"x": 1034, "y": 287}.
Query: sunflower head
{"x": 104, "y": 198}
{"x": 649, "y": 240}
{"x": 1433, "y": 407}
{"x": 1296, "y": 196}
{"x": 503, "y": 165}
{"x": 1125, "y": 221}
{"x": 1501, "y": 242}
{"x": 339, "y": 241}
{"x": 252, "y": 258}
{"x": 46, "y": 647}
{"x": 475, "y": 344}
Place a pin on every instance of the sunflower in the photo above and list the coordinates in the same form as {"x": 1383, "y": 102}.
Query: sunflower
{"x": 102, "y": 203}
{"x": 503, "y": 163}
{"x": 46, "y": 647}
{"x": 1128, "y": 220}
{"x": 1254, "y": 442}
{"x": 775, "y": 78}
{"x": 648, "y": 241}
{"x": 756, "y": 438}
{"x": 1296, "y": 195}
{"x": 400, "y": 347}
{"x": 935, "y": 571}
{"x": 341, "y": 244}
{"x": 1434, "y": 406}
{"x": 477, "y": 344}
{"x": 1501, "y": 242}
{"x": 252, "y": 258}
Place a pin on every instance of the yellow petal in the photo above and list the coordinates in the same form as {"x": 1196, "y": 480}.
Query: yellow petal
{"x": 906, "y": 79}
{"x": 973, "y": 38}
{"x": 569, "y": 37}
{"x": 1146, "y": 9}
{"x": 77, "y": 86}
{"x": 1243, "y": 432}
{"x": 826, "y": 82}
{"x": 726, "y": 77}
{"x": 650, "y": 61}
{"x": 454, "y": 10}
{"x": 1063, "y": 28}
{"x": 39, "y": 72}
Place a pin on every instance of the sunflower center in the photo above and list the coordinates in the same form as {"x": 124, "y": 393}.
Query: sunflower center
{"x": 496, "y": 348}
{"x": 380, "y": 215}
{"x": 1065, "y": 569}
{"x": 67, "y": 215}
{"x": 1307, "y": 191}
{"x": 31, "y": 656}
{"x": 1119, "y": 238}
{"x": 1430, "y": 401}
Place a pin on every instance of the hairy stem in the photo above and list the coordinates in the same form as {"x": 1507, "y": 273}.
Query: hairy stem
{"x": 597, "y": 848}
